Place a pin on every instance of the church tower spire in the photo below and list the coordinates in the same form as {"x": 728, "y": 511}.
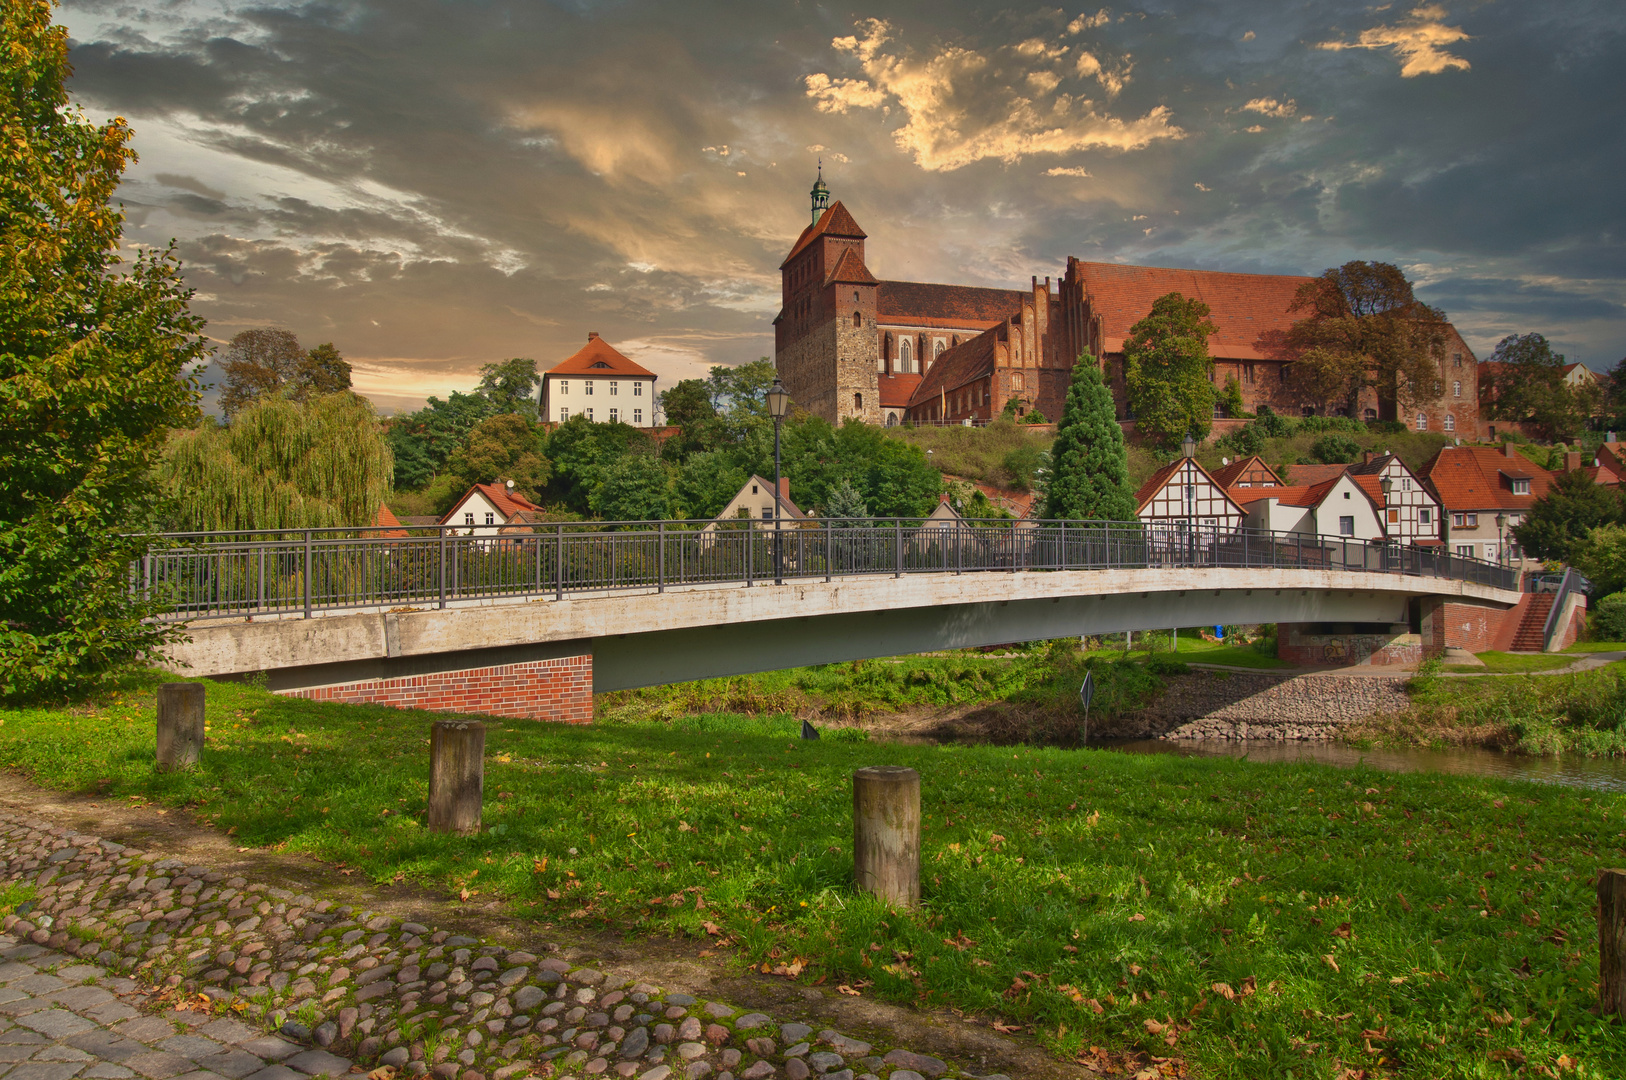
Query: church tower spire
{"x": 820, "y": 194}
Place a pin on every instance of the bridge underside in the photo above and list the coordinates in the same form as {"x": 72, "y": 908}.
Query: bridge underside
{"x": 547, "y": 658}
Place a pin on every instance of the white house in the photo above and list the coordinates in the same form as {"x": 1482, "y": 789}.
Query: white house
{"x": 492, "y": 509}
{"x": 755, "y": 501}
{"x": 1342, "y": 506}
{"x": 1410, "y": 511}
{"x": 600, "y": 384}
{"x": 1183, "y": 492}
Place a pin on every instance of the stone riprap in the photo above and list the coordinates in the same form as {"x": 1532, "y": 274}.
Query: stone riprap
{"x": 1249, "y": 705}
{"x": 127, "y": 964}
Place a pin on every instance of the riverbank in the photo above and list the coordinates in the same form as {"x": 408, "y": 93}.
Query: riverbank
{"x": 1243, "y": 920}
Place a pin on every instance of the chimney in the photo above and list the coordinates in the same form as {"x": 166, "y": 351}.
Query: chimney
{"x": 1366, "y": 458}
{"x": 592, "y": 335}
{"x": 1507, "y": 449}
{"x": 784, "y": 488}
{"x": 1572, "y": 461}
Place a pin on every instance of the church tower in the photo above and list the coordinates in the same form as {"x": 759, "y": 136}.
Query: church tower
{"x": 826, "y": 343}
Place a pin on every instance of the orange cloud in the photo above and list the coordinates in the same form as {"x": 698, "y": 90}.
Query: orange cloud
{"x": 1420, "y": 40}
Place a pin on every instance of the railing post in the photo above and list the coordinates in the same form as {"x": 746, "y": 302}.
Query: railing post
{"x": 829, "y": 549}
{"x": 897, "y": 547}
{"x": 660, "y": 558}
{"x": 260, "y": 595}
{"x": 959, "y": 556}
{"x": 307, "y": 573}
{"x": 536, "y": 548}
{"x": 750, "y": 550}
{"x": 440, "y": 566}
{"x": 559, "y": 561}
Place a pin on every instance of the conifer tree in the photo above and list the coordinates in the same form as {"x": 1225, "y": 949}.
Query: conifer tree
{"x": 1089, "y": 467}
{"x": 95, "y": 369}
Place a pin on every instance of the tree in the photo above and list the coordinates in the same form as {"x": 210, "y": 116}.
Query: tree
{"x": 1168, "y": 371}
{"x": 1334, "y": 449}
{"x": 438, "y": 431}
{"x": 1563, "y": 517}
{"x": 687, "y": 405}
{"x": 321, "y": 371}
{"x": 705, "y": 483}
{"x": 257, "y": 363}
{"x": 1089, "y": 466}
{"x": 510, "y": 387}
{"x": 1601, "y": 556}
{"x": 506, "y": 447}
{"x": 844, "y": 501}
{"x": 580, "y": 450}
{"x": 281, "y": 464}
{"x": 634, "y": 487}
{"x": 1525, "y": 383}
{"x": 894, "y": 477}
{"x": 1363, "y": 328}
{"x": 96, "y": 361}
{"x": 1615, "y": 394}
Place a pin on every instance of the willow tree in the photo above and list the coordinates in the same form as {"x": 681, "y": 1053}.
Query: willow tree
{"x": 281, "y": 464}
{"x": 95, "y": 362}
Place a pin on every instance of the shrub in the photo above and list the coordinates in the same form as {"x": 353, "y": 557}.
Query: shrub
{"x": 1334, "y": 449}
{"x": 1609, "y": 618}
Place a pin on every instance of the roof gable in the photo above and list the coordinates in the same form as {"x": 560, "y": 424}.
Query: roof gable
{"x": 1228, "y": 476}
{"x": 598, "y": 357}
{"x": 1160, "y": 480}
{"x": 956, "y": 366}
{"x": 510, "y": 504}
{"x": 1478, "y": 478}
{"x": 835, "y": 221}
{"x": 850, "y": 270}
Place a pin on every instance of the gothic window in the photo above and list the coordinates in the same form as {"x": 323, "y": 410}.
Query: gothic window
{"x": 1016, "y": 380}
{"x": 891, "y": 419}
{"x": 858, "y": 403}
{"x": 937, "y": 350}
{"x": 855, "y": 296}
{"x": 858, "y": 319}
{"x": 1371, "y": 414}
{"x": 906, "y": 362}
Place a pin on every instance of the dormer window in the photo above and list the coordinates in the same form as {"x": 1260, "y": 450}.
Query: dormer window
{"x": 1521, "y": 487}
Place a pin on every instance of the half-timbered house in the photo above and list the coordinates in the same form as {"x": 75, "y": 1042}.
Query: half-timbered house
{"x": 1183, "y": 492}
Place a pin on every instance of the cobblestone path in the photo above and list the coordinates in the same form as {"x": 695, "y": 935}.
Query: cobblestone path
{"x": 117, "y": 963}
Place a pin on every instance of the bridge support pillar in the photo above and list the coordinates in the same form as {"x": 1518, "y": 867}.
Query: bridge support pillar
{"x": 558, "y": 689}
{"x": 1349, "y": 644}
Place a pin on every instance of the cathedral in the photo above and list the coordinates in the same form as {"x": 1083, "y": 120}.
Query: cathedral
{"x": 849, "y": 345}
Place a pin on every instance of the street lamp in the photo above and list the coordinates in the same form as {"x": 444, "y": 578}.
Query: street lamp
{"x": 778, "y": 406}
{"x": 1501, "y": 545}
{"x": 1188, "y": 445}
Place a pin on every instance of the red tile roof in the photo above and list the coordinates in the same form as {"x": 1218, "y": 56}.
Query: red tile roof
{"x": 1244, "y": 306}
{"x": 924, "y": 304}
{"x": 510, "y": 504}
{"x": 1227, "y": 475}
{"x": 598, "y": 358}
{"x": 1302, "y": 475}
{"x": 1155, "y": 483}
{"x": 1311, "y": 494}
{"x": 897, "y": 389}
{"x": 1477, "y": 478}
{"x": 954, "y": 367}
{"x": 386, "y": 520}
{"x": 850, "y": 270}
{"x": 835, "y": 221}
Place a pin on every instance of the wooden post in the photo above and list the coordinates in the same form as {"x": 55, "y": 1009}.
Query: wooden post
{"x": 180, "y": 725}
{"x": 886, "y": 833}
{"x": 1612, "y": 942}
{"x": 457, "y": 765}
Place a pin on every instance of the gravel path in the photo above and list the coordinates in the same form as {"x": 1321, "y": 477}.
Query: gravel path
{"x": 125, "y": 963}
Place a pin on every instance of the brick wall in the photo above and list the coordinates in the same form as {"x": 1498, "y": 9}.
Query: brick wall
{"x": 1296, "y": 644}
{"x": 559, "y": 690}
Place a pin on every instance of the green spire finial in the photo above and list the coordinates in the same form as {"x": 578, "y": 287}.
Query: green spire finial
{"x": 821, "y": 194}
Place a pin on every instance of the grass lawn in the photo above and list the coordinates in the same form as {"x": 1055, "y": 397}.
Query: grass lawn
{"x": 1597, "y": 646}
{"x": 1501, "y": 663}
{"x": 1256, "y": 920}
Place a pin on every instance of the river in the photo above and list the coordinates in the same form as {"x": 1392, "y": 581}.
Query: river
{"x": 1603, "y": 774}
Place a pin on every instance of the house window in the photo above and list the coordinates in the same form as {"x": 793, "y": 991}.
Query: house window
{"x": 1346, "y": 525}
{"x": 587, "y": 385}
{"x": 1394, "y": 517}
{"x": 1456, "y": 388}
{"x": 1247, "y": 374}
{"x": 1220, "y": 411}
{"x": 858, "y": 403}
{"x": 637, "y": 389}
{"x": 1465, "y": 550}
{"x": 491, "y": 519}
{"x": 767, "y": 513}
{"x": 615, "y": 388}
{"x": 1405, "y": 483}
{"x": 1471, "y": 521}
{"x": 615, "y": 414}
{"x": 1521, "y": 487}
{"x": 564, "y": 386}
{"x": 1422, "y": 421}
{"x": 564, "y": 414}
{"x": 1371, "y": 415}
{"x": 1425, "y": 516}
{"x": 1450, "y": 422}
{"x": 468, "y": 519}
{"x": 1456, "y": 359}
{"x": 589, "y": 414}
{"x": 638, "y": 417}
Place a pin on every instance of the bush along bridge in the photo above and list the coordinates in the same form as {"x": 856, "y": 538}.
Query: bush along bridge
{"x": 532, "y": 619}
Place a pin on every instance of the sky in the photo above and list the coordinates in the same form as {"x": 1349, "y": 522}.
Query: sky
{"x": 433, "y": 186}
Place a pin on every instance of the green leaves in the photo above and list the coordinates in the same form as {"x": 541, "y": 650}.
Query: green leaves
{"x": 1089, "y": 466}
{"x": 1168, "y": 372}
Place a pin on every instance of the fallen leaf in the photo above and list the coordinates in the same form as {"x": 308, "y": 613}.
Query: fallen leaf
{"x": 383, "y": 1072}
{"x": 1137, "y": 917}
{"x": 849, "y": 991}
{"x": 1342, "y": 930}
{"x": 1016, "y": 987}
{"x": 711, "y": 928}
{"x": 1224, "y": 990}
{"x": 1329, "y": 961}
{"x": 1006, "y": 1029}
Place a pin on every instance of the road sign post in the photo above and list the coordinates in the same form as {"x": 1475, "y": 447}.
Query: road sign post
{"x": 1086, "y": 694}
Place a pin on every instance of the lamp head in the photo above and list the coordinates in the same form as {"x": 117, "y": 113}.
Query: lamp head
{"x": 1388, "y": 485}
{"x": 778, "y": 400}
{"x": 1188, "y": 446}
{"x": 1501, "y": 520}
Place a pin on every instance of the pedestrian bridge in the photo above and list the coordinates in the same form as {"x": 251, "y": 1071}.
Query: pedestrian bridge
{"x": 485, "y": 619}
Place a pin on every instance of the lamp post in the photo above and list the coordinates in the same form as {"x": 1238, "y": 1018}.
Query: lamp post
{"x": 1188, "y": 447}
{"x": 1501, "y": 545}
{"x": 1388, "y": 486}
{"x": 778, "y": 406}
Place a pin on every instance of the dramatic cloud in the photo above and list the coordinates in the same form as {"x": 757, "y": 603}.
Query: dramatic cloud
{"x": 435, "y": 185}
{"x": 961, "y": 106}
{"x": 1420, "y": 40}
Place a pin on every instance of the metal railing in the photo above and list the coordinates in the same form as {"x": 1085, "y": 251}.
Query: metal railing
{"x": 300, "y": 572}
{"x": 1572, "y": 582}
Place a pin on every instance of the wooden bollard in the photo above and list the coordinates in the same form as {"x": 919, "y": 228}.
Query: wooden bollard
{"x": 180, "y": 725}
{"x": 457, "y": 767}
{"x": 1612, "y": 942}
{"x": 886, "y": 833}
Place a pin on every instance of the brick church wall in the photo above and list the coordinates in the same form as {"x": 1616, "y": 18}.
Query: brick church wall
{"x": 560, "y": 690}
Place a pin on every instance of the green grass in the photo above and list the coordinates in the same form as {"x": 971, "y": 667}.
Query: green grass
{"x": 1270, "y": 913}
{"x": 1196, "y": 650}
{"x": 983, "y": 453}
{"x": 1501, "y": 663}
{"x": 12, "y": 894}
{"x": 1597, "y": 646}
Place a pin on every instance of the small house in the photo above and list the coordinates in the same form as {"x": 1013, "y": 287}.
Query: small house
{"x": 491, "y": 510}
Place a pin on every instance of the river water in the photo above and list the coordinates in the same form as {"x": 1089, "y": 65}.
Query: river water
{"x": 1604, "y": 774}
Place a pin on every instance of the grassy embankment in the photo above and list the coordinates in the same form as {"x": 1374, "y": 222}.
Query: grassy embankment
{"x": 1501, "y": 663}
{"x": 1254, "y": 920}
